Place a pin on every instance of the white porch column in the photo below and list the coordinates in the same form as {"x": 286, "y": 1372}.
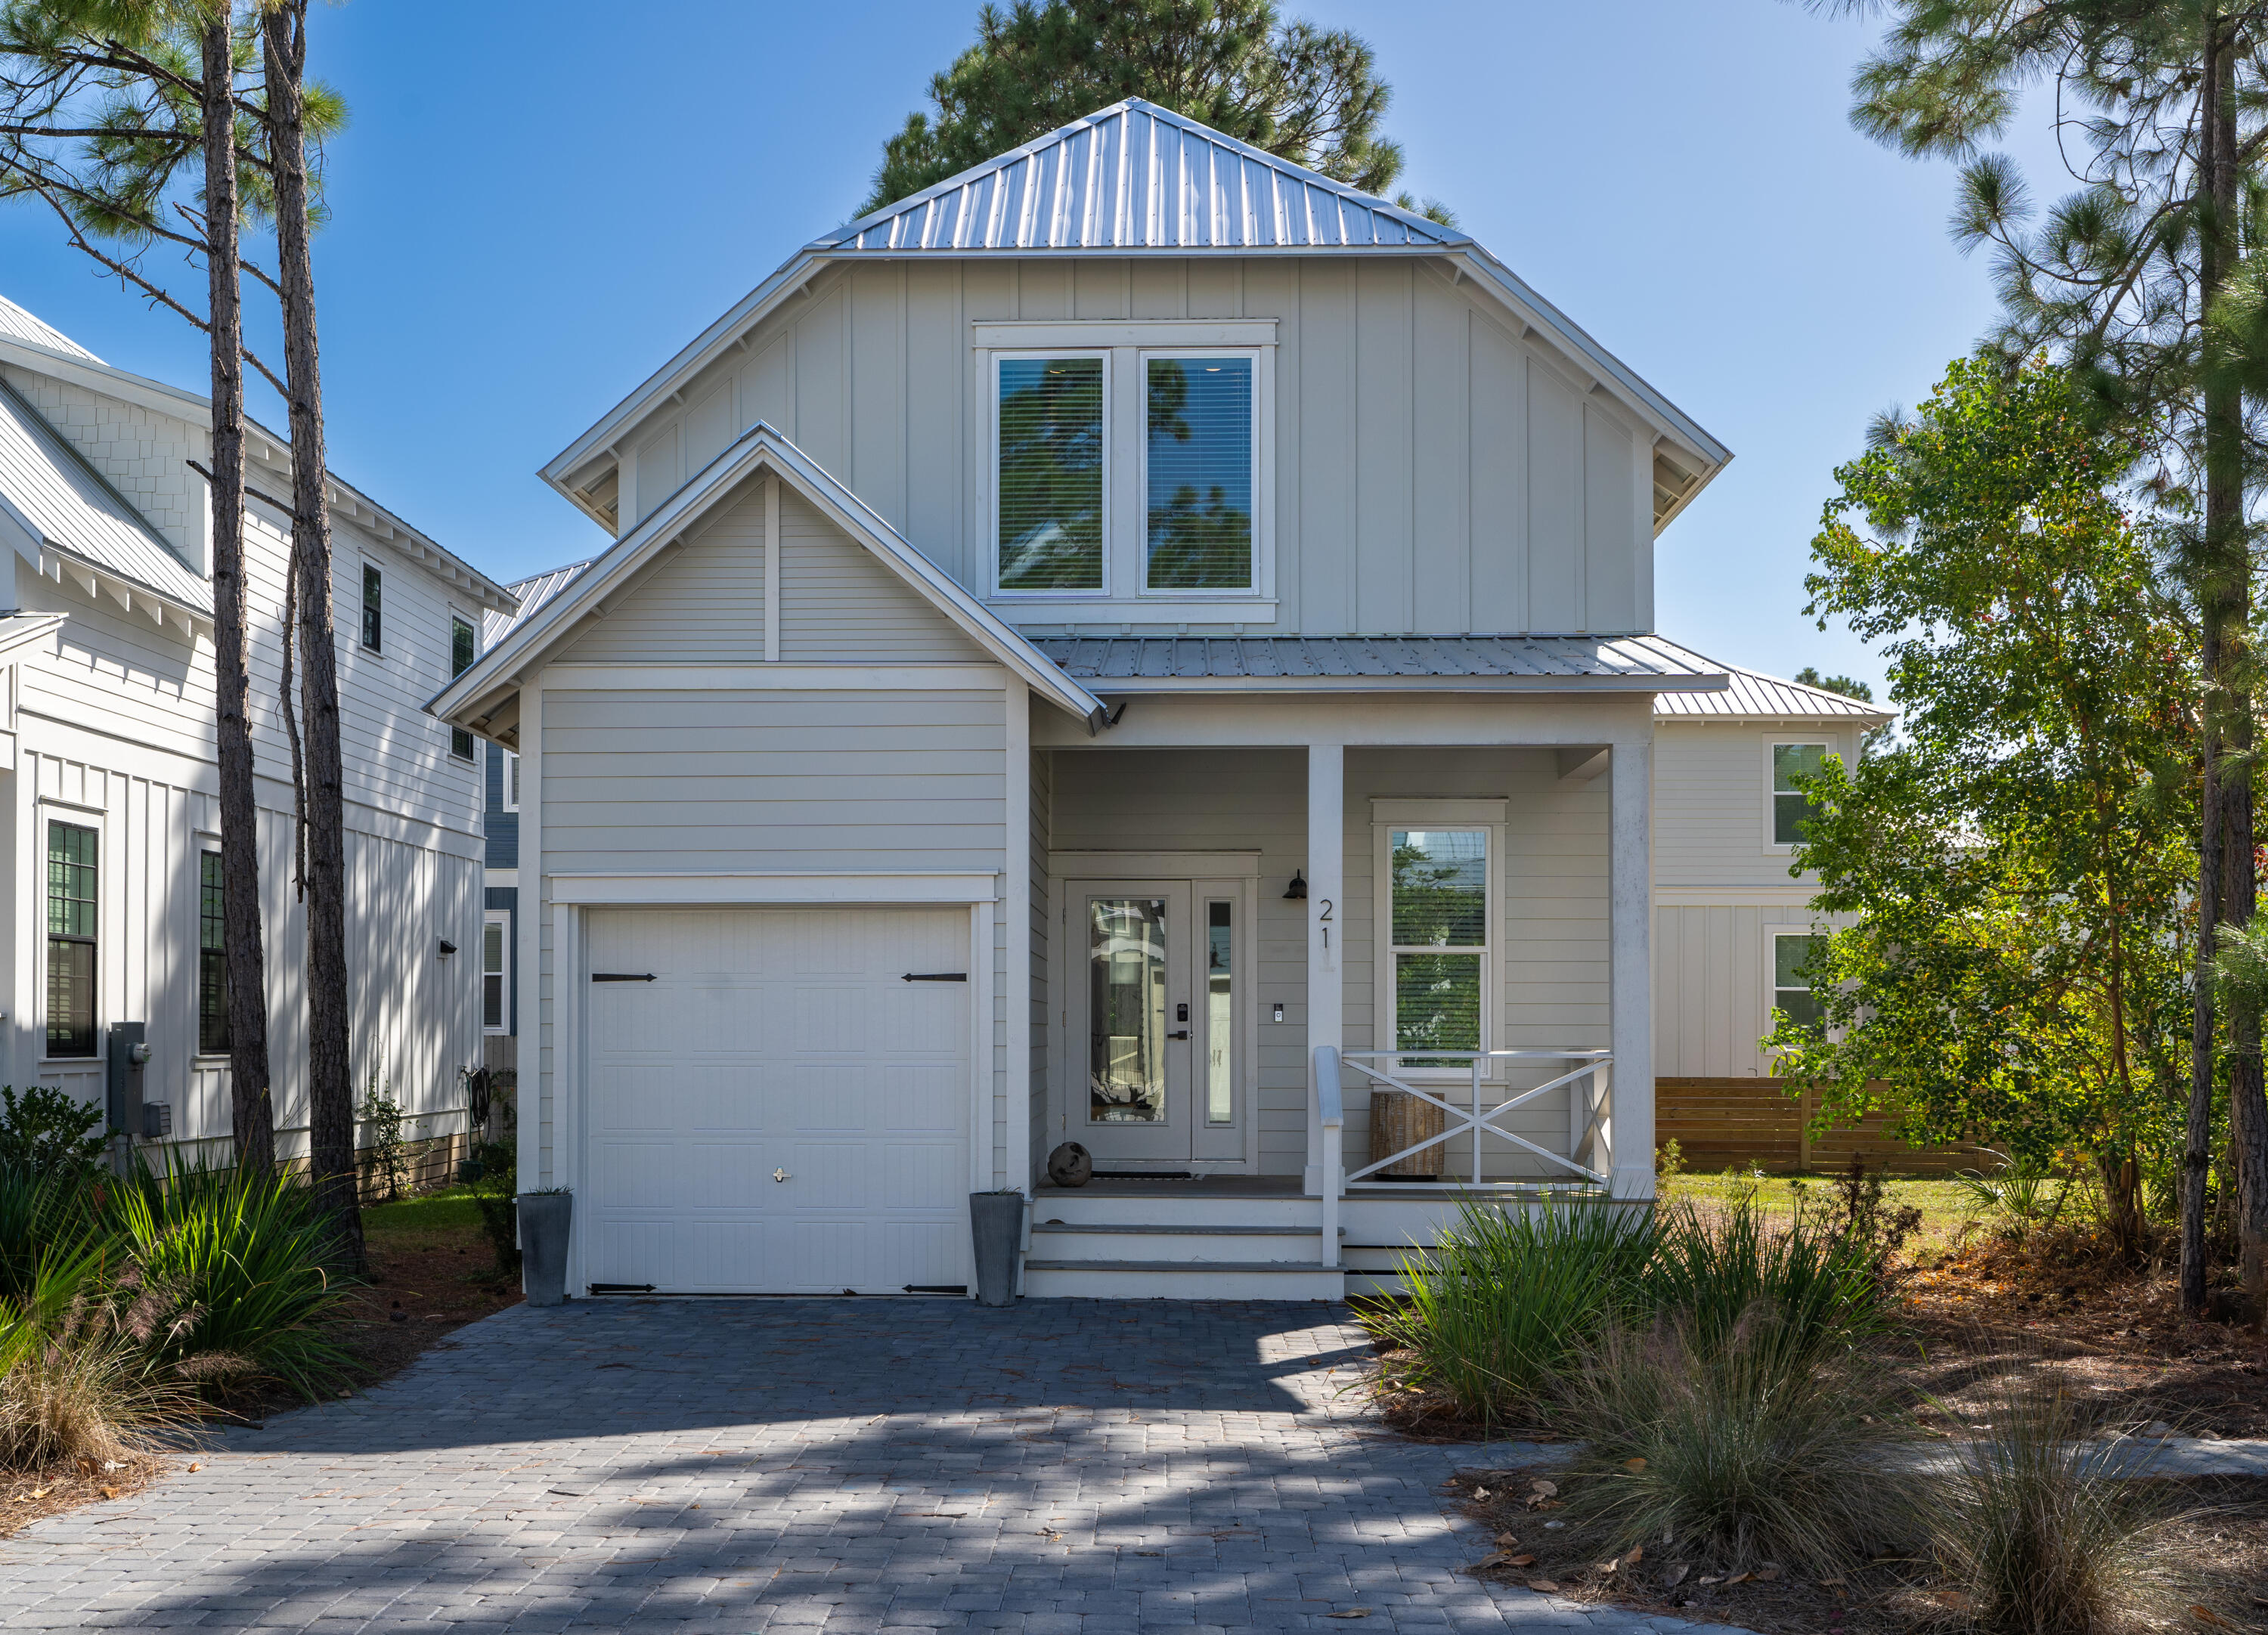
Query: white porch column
{"x": 1630, "y": 968}
{"x": 1326, "y": 920}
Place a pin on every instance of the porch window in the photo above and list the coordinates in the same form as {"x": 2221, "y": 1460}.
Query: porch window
{"x": 1198, "y": 472}
{"x": 212, "y": 957}
{"x": 1791, "y": 993}
{"x": 1050, "y": 474}
{"x": 72, "y": 853}
{"x": 1440, "y": 945}
{"x": 1791, "y": 806}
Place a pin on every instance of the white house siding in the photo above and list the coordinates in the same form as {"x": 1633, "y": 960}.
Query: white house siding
{"x": 705, "y": 602}
{"x": 1042, "y": 831}
{"x": 820, "y": 780}
{"x": 838, "y": 602}
{"x": 115, "y": 715}
{"x": 1712, "y": 813}
{"x": 1434, "y": 472}
{"x": 1712, "y": 995}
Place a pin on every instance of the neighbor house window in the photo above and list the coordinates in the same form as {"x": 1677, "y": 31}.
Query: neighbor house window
{"x": 1791, "y": 987}
{"x": 496, "y": 1016}
{"x": 72, "y": 853}
{"x": 1439, "y": 926}
{"x": 1791, "y": 806}
{"x": 1050, "y": 474}
{"x": 373, "y": 624}
{"x": 212, "y": 958}
{"x": 508, "y": 780}
{"x": 464, "y": 646}
{"x": 1198, "y": 473}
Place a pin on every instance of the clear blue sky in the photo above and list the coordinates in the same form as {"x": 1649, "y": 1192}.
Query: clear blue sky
{"x": 537, "y": 203}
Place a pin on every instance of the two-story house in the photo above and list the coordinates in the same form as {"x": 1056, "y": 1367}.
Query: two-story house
{"x": 109, "y": 819}
{"x": 1140, "y": 645}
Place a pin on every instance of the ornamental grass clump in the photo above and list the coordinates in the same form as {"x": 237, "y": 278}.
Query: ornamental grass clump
{"x": 1497, "y": 1311}
{"x": 2040, "y": 1524}
{"x": 1711, "y": 1271}
{"x": 1742, "y": 1446}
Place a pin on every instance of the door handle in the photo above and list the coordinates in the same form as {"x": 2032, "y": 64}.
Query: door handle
{"x": 1183, "y": 1033}
{"x": 780, "y": 1175}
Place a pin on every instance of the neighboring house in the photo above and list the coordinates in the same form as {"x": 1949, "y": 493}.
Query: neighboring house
{"x": 500, "y": 832}
{"x": 109, "y": 816}
{"x": 1082, "y": 645}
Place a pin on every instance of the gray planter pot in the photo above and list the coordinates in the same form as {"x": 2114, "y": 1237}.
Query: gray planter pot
{"x": 544, "y": 1219}
{"x": 996, "y": 1221}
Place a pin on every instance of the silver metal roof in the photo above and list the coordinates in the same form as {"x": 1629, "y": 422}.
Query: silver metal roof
{"x": 62, "y": 502}
{"x": 18, "y": 325}
{"x": 1133, "y": 177}
{"x": 1638, "y": 661}
{"x": 533, "y": 592}
{"x": 1756, "y": 696}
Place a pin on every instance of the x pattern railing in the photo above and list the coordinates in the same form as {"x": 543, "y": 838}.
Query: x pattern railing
{"x": 1478, "y": 1119}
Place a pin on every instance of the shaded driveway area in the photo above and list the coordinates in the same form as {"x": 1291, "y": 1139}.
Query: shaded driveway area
{"x": 1056, "y": 1467}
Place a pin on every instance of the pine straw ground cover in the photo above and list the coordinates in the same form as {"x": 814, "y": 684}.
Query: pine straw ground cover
{"x": 2224, "y": 1541}
{"x": 429, "y": 1261}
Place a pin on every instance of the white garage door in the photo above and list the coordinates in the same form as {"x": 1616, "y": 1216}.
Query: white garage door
{"x": 778, "y": 1110}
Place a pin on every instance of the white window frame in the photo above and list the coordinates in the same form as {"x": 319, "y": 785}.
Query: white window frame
{"x": 1125, "y": 345}
{"x": 1142, "y": 587}
{"x": 1109, "y": 472}
{"x": 500, "y": 918}
{"x": 1386, "y": 816}
{"x": 1774, "y": 935}
{"x": 457, "y": 616}
{"x": 106, "y": 932}
{"x": 507, "y": 779}
{"x": 1773, "y": 741}
{"x": 366, "y": 566}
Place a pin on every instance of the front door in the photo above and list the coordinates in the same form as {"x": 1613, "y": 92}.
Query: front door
{"x": 1154, "y": 1024}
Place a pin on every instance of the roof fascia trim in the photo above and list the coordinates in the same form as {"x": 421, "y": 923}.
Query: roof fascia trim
{"x": 760, "y": 448}
{"x": 1409, "y": 684}
{"x": 19, "y": 629}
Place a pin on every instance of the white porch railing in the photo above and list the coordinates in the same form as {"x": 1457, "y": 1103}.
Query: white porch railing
{"x": 1587, "y": 1109}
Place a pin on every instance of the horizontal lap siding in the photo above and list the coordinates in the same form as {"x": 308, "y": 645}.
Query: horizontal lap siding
{"x": 838, "y": 602}
{"x": 704, "y": 604}
{"x": 1711, "y": 819}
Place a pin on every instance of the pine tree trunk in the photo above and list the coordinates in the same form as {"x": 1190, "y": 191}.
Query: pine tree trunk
{"x": 253, "y": 1115}
{"x": 330, "y": 1087}
{"x": 2229, "y": 609}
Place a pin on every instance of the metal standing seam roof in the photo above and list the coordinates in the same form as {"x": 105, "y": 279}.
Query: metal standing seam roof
{"x": 1754, "y": 695}
{"x": 65, "y": 502}
{"x": 1133, "y": 177}
{"x": 533, "y": 592}
{"x": 18, "y": 325}
{"x": 1640, "y": 659}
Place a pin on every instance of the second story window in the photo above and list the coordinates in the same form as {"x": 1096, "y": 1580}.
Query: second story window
{"x": 1791, "y": 806}
{"x": 1050, "y": 474}
{"x": 464, "y": 644}
{"x": 373, "y": 623}
{"x": 1198, "y": 474}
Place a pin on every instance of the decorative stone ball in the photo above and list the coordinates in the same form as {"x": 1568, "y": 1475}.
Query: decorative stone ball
{"x": 1070, "y": 1165}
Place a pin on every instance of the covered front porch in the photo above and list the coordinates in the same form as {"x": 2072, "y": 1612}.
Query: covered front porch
{"x": 1307, "y": 972}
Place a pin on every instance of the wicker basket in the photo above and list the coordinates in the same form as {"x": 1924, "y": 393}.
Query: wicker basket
{"x": 1397, "y": 1120}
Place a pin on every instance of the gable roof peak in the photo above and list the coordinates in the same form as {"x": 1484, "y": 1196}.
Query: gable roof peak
{"x": 1136, "y": 177}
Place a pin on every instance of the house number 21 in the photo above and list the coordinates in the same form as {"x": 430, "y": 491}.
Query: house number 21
{"x": 1325, "y": 918}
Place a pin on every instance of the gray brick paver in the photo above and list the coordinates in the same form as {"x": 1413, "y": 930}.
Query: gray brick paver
{"x": 859, "y": 1467}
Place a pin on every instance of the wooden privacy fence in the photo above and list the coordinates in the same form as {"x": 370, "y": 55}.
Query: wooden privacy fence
{"x": 1737, "y": 1122}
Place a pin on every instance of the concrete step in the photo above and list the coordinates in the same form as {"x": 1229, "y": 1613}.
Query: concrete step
{"x": 1120, "y": 1241}
{"x": 1163, "y": 1206}
{"x": 1181, "y": 1280}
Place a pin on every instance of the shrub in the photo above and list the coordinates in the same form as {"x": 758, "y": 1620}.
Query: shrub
{"x": 2041, "y": 1526}
{"x": 2024, "y": 1197}
{"x": 248, "y": 1254}
{"x": 1504, "y": 1300}
{"x": 385, "y": 1169}
{"x": 495, "y": 1193}
{"x": 1711, "y": 1270}
{"x": 45, "y": 1131}
{"x": 80, "y": 1372}
{"x": 42, "y": 1211}
{"x": 1741, "y": 1445}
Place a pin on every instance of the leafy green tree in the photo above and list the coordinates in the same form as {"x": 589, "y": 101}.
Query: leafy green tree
{"x": 1875, "y": 737}
{"x": 2162, "y": 112}
{"x": 2015, "y": 872}
{"x": 1309, "y": 95}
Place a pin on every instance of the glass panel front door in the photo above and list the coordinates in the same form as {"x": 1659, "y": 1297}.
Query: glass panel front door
{"x": 1126, "y": 966}
{"x": 1136, "y": 1031}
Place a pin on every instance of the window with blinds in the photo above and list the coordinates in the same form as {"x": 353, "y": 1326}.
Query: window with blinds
{"x": 1199, "y": 496}
{"x": 1050, "y": 474}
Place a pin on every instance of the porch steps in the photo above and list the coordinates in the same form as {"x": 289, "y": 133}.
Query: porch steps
{"x": 1182, "y": 1280}
{"x": 1177, "y": 1259}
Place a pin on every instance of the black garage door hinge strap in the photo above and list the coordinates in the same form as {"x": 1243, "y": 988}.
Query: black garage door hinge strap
{"x": 621, "y": 976}
{"x": 935, "y": 976}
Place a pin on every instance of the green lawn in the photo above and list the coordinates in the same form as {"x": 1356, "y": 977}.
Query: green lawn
{"x": 1946, "y": 1209}
{"x": 439, "y": 1210}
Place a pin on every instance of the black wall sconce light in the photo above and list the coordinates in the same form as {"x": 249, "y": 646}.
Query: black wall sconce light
{"x": 1298, "y": 890}
{"x": 447, "y": 947}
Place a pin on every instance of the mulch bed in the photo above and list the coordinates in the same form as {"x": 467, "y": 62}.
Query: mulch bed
{"x": 424, "y": 1285}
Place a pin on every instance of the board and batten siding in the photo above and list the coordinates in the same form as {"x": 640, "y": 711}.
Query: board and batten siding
{"x": 1434, "y": 471}
{"x": 1712, "y": 995}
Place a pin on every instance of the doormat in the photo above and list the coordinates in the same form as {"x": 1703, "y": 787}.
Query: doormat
{"x": 1145, "y": 1174}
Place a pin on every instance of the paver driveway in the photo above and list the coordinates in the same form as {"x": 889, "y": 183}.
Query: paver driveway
{"x": 1058, "y": 1468}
